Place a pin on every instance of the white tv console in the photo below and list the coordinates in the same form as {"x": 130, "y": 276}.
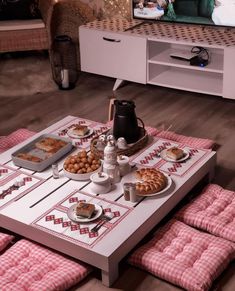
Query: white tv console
{"x": 142, "y": 55}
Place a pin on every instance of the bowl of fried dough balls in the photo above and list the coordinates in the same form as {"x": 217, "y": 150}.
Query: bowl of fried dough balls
{"x": 81, "y": 166}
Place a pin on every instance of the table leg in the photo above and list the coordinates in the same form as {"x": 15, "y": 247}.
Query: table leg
{"x": 211, "y": 174}
{"x": 117, "y": 84}
{"x": 109, "y": 277}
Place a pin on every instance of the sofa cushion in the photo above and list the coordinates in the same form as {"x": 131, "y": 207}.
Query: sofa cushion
{"x": 212, "y": 211}
{"x": 5, "y": 239}
{"x": 28, "y": 266}
{"x": 9, "y": 25}
{"x": 184, "y": 256}
{"x": 19, "y": 9}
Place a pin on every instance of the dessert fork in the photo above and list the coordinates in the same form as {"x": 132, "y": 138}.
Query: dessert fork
{"x": 103, "y": 220}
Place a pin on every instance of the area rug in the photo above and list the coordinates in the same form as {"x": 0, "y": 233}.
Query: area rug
{"x": 24, "y": 74}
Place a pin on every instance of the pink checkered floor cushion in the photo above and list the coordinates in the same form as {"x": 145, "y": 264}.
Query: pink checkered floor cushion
{"x": 27, "y": 266}
{"x": 14, "y": 138}
{"x": 5, "y": 239}
{"x": 212, "y": 211}
{"x": 195, "y": 142}
{"x": 184, "y": 256}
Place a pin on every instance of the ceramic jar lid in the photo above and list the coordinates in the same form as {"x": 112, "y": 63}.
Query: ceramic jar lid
{"x": 99, "y": 178}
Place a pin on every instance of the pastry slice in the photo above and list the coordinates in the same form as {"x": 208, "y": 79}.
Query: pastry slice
{"x": 80, "y": 130}
{"x": 29, "y": 157}
{"x": 49, "y": 144}
{"x": 175, "y": 153}
{"x": 85, "y": 209}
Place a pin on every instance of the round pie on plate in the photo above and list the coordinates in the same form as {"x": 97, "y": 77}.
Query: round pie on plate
{"x": 151, "y": 181}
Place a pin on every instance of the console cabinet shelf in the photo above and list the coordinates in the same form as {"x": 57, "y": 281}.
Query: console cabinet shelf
{"x": 165, "y": 71}
{"x": 142, "y": 55}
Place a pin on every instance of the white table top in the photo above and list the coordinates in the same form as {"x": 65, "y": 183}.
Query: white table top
{"x": 26, "y": 213}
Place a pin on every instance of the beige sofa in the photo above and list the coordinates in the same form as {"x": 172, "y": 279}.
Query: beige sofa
{"x": 32, "y": 34}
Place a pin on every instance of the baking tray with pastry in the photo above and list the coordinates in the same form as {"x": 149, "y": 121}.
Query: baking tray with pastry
{"x": 42, "y": 152}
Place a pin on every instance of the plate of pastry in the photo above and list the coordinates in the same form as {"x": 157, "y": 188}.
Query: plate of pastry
{"x": 174, "y": 155}
{"x": 84, "y": 212}
{"x": 149, "y": 181}
{"x": 80, "y": 131}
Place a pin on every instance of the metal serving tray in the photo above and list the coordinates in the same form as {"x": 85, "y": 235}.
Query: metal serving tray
{"x": 31, "y": 149}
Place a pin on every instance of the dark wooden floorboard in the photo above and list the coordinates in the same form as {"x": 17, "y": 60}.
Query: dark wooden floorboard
{"x": 189, "y": 113}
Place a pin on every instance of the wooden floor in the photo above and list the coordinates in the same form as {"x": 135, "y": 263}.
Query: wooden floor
{"x": 189, "y": 113}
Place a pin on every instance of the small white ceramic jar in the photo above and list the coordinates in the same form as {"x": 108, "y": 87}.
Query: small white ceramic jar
{"x": 124, "y": 165}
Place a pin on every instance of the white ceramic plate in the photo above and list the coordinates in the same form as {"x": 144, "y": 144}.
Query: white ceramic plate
{"x": 72, "y": 214}
{"x": 168, "y": 185}
{"x": 80, "y": 177}
{"x": 166, "y": 158}
{"x": 71, "y": 134}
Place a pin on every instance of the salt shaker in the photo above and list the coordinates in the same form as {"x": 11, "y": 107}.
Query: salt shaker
{"x": 110, "y": 137}
{"x": 126, "y": 191}
{"x": 55, "y": 171}
{"x": 132, "y": 190}
{"x": 101, "y": 142}
{"x": 124, "y": 166}
{"x": 121, "y": 143}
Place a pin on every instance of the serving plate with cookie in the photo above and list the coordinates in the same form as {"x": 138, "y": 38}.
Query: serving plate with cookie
{"x": 84, "y": 212}
{"x": 42, "y": 152}
{"x": 80, "y": 131}
{"x": 149, "y": 181}
{"x": 174, "y": 155}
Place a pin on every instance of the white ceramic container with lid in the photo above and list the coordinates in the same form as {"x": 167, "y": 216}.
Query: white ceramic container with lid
{"x": 100, "y": 183}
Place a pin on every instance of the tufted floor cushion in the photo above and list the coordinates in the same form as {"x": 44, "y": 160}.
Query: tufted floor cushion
{"x": 184, "y": 256}
{"x": 213, "y": 211}
{"x": 195, "y": 142}
{"x": 14, "y": 138}
{"x": 5, "y": 239}
{"x": 27, "y": 266}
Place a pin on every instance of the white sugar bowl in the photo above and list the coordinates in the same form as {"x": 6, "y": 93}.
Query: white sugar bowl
{"x": 100, "y": 183}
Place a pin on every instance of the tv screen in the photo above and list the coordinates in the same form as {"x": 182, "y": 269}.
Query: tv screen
{"x": 204, "y": 12}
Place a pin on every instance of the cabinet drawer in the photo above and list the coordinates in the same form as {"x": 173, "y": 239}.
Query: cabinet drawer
{"x": 113, "y": 54}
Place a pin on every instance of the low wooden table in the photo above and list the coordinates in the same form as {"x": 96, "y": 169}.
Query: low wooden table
{"x": 38, "y": 209}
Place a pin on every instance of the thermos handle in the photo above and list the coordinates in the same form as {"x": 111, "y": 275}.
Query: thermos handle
{"x": 141, "y": 121}
{"x": 111, "y": 109}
